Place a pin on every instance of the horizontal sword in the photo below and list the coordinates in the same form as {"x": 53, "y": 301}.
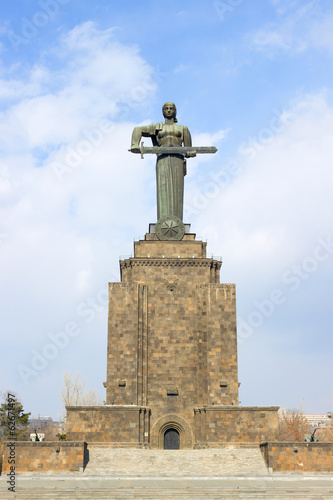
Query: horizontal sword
{"x": 173, "y": 150}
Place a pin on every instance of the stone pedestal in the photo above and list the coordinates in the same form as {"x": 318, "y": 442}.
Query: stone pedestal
{"x": 172, "y": 331}
{"x": 172, "y": 354}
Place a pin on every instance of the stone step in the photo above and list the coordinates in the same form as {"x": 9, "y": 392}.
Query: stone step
{"x": 153, "y": 493}
{"x": 226, "y": 461}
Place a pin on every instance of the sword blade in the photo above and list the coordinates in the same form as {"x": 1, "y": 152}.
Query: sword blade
{"x": 169, "y": 150}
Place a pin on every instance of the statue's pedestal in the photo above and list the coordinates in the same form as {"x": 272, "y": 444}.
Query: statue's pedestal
{"x": 152, "y": 228}
{"x": 172, "y": 354}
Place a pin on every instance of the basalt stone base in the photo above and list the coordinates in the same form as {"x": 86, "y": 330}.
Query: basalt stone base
{"x": 172, "y": 372}
{"x": 122, "y": 425}
{"x": 44, "y": 456}
{"x": 235, "y": 424}
{"x": 204, "y": 427}
{"x": 298, "y": 457}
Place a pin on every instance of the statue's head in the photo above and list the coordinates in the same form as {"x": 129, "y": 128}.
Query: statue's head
{"x": 169, "y": 110}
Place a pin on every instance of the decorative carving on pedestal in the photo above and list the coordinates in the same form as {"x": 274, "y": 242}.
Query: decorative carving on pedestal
{"x": 170, "y": 228}
{"x": 171, "y": 283}
{"x": 172, "y": 392}
{"x": 194, "y": 262}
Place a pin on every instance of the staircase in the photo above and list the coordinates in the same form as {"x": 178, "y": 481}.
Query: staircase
{"x": 228, "y": 461}
{"x": 135, "y": 474}
{"x": 102, "y": 488}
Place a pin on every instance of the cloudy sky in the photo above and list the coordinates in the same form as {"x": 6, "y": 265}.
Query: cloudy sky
{"x": 252, "y": 77}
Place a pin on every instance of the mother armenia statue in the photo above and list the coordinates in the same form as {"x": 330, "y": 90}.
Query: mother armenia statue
{"x": 172, "y": 144}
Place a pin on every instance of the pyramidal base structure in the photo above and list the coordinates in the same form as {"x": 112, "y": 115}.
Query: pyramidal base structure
{"x": 172, "y": 375}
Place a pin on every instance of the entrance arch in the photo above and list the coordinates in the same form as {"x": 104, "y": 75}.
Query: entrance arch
{"x": 178, "y": 424}
{"x": 171, "y": 439}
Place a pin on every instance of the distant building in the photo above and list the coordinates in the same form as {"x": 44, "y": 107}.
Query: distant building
{"x": 45, "y": 427}
{"x": 319, "y": 421}
{"x": 40, "y": 422}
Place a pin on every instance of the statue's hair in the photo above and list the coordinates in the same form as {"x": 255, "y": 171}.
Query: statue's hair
{"x": 174, "y": 107}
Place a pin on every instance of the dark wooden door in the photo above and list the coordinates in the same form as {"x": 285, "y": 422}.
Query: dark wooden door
{"x": 171, "y": 439}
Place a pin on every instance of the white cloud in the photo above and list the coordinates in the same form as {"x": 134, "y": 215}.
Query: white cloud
{"x": 321, "y": 33}
{"x": 297, "y": 158}
{"x": 267, "y": 221}
{"x": 301, "y": 27}
{"x": 206, "y": 139}
{"x": 181, "y": 68}
{"x": 278, "y": 39}
{"x": 283, "y": 6}
{"x": 272, "y": 213}
{"x": 57, "y": 232}
{"x": 96, "y": 77}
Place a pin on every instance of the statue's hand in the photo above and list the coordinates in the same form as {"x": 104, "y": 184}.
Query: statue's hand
{"x": 135, "y": 148}
{"x": 191, "y": 154}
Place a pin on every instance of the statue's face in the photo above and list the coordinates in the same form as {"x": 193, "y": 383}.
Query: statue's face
{"x": 169, "y": 110}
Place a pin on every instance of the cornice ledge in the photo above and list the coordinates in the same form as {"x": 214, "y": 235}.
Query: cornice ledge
{"x": 160, "y": 262}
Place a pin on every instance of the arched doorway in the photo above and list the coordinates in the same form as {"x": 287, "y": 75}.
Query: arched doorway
{"x": 171, "y": 421}
{"x": 171, "y": 439}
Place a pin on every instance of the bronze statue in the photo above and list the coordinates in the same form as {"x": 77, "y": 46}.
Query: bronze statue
{"x": 172, "y": 144}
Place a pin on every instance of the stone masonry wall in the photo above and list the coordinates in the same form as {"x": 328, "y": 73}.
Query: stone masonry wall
{"x": 192, "y": 348}
{"x": 122, "y": 352}
{"x": 170, "y": 249}
{"x": 172, "y": 341}
{"x": 217, "y": 331}
{"x": 172, "y": 347}
{"x": 152, "y": 270}
{"x": 121, "y": 425}
{"x": 45, "y": 456}
{"x": 298, "y": 457}
{"x": 234, "y": 424}
{"x": 172, "y": 332}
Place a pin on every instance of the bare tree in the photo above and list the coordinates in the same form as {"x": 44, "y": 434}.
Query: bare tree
{"x": 293, "y": 425}
{"x": 326, "y": 434}
{"x": 74, "y": 393}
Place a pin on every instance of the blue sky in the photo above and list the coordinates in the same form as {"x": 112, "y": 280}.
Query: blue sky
{"x": 253, "y": 78}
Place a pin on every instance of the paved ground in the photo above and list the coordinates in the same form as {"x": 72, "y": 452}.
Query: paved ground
{"x": 273, "y": 487}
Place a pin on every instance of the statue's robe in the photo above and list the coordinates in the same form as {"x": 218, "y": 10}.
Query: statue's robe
{"x": 170, "y": 169}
